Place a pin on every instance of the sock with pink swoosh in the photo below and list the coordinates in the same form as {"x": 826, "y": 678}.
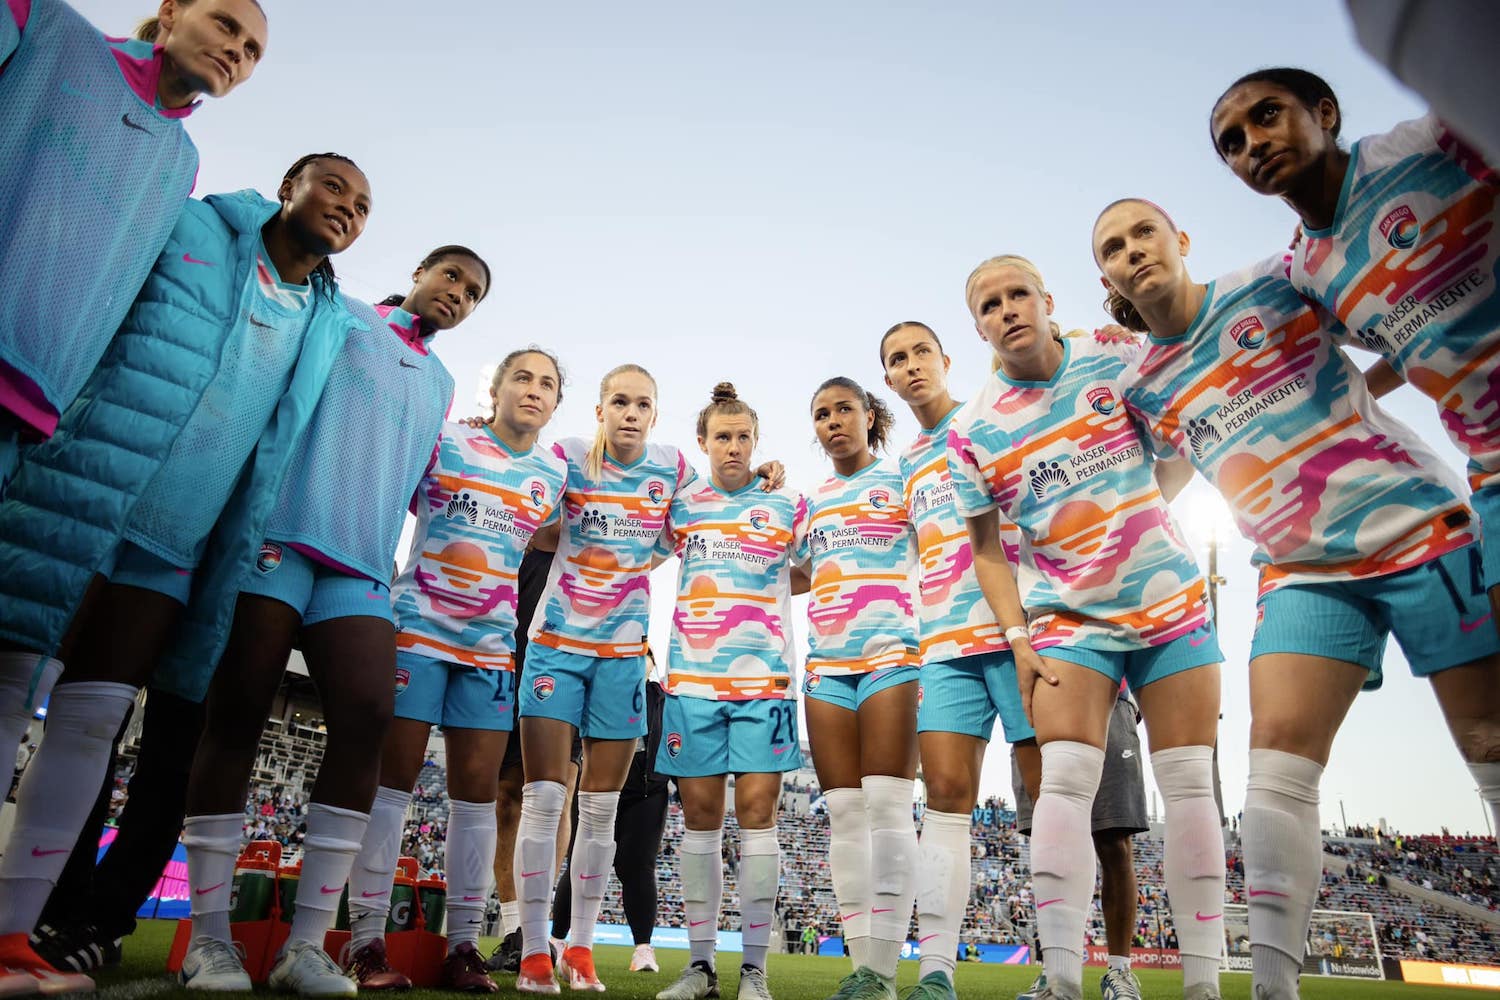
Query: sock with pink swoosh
{"x": 213, "y": 844}
{"x": 849, "y": 867}
{"x": 1194, "y": 858}
{"x": 942, "y": 889}
{"x": 1062, "y": 858}
{"x": 760, "y": 871}
{"x": 1283, "y": 864}
{"x": 591, "y": 862}
{"x": 702, "y": 890}
{"x": 374, "y": 867}
{"x": 468, "y": 861}
{"x": 893, "y": 859}
{"x": 328, "y": 850}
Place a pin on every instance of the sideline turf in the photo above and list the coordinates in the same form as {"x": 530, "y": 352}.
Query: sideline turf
{"x": 793, "y": 977}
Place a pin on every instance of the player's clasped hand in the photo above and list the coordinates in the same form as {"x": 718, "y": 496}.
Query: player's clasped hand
{"x": 1030, "y": 669}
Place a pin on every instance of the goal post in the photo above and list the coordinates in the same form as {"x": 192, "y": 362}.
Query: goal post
{"x": 1339, "y": 943}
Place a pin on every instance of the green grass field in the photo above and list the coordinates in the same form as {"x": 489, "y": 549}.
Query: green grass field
{"x": 793, "y": 977}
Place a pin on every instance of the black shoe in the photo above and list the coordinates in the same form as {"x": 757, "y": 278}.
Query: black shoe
{"x": 507, "y": 954}
{"x": 79, "y": 948}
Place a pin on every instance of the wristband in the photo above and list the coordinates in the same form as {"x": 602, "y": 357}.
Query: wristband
{"x": 1016, "y": 633}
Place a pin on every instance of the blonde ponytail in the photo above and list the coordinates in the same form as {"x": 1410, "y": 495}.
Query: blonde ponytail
{"x": 148, "y": 30}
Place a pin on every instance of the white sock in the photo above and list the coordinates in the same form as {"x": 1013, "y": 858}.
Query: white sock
{"x": 25, "y": 681}
{"x": 702, "y": 890}
{"x": 328, "y": 850}
{"x": 1283, "y": 864}
{"x": 53, "y": 802}
{"x": 1062, "y": 857}
{"x": 1487, "y": 777}
{"x": 469, "y": 862}
{"x": 536, "y": 852}
{"x": 1194, "y": 861}
{"x": 1120, "y": 962}
{"x": 590, "y": 863}
{"x": 893, "y": 860}
{"x": 849, "y": 867}
{"x": 213, "y": 845}
{"x": 943, "y": 896}
{"x": 510, "y": 916}
{"x": 374, "y": 868}
{"x": 760, "y": 873}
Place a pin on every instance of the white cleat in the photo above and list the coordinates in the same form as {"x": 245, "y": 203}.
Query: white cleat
{"x": 306, "y": 969}
{"x": 214, "y": 965}
{"x": 643, "y": 959}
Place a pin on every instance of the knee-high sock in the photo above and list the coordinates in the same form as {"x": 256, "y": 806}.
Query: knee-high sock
{"x": 760, "y": 873}
{"x": 590, "y": 863}
{"x": 893, "y": 858}
{"x": 26, "y": 680}
{"x": 943, "y": 893}
{"x": 1283, "y": 865}
{"x": 469, "y": 860}
{"x": 1062, "y": 857}
{"x": 374, "y": 868}
{"x": 536, "y": 853}
{"x": 213, "y": 844}
{"x": 702, "y": 890}
{"x": 82, "y": 721}
{"x": 849, "y": 867}
{"x": 328, "y": 850}
{"x": 1487, "y": 777}
{"x": 1194, "y": 858}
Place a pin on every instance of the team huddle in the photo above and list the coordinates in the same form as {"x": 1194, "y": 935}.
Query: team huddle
{"x": 182, "y": 507}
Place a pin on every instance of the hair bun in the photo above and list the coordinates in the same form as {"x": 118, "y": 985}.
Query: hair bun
{"x": 724, "y": 392}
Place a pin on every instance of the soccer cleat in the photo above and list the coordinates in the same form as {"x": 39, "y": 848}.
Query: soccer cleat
{"x": 850, "y": 983}
{"x": 577, "y": 970}
{"x": 507, "y": 954}
{"x": 753, "y": 985}
{"x": 214, "y": 965}
{"x": 1120, "y": 984}
{"x": 873, "y": 986}
{"x": 306, "y": 969}
{"x": 370, "y": 968}
{"x": 1053, "y": 993}
{"x": 1201, "y": 991}
{"x": 933, "y": 986}
{"x": 23, "y": 972}
{"x": 643, "y": 959}
{"x": 535, "y": 974}
{"x": 76, "y": 948}
{"x": 1038, "y": 985}
{"x": 463, "y": 970}
{"x": 696, "y": 982}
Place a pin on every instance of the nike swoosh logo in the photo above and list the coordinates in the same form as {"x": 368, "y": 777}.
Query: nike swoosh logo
{"x": 329, "y": 892}
{"x": 1471, "y": 626}
{"x": 1196, "y": 640}
{"x": 263, "y": 326}
{"x": 1049, "y": 902}
{"x": 369, "y": 895}
{"x": 780, "y": 750}
{"x": 756, "y": 927}
{"x": 37, "y": 852}
{"x": 1203, "y": 919}
{"x": 188, "y": 258}
{"x": 211, "y": 888}
{"x": 881, "y": 909}
{"x": 471, "y": 899}
{"x": 1267, "y": 892}
{"x": 408, "y": 364}
{"x": 125, "y": 120}
{"x": 696, "y": 923}
{"x": 539, "y": 871}
{"x": 852, "y": 915}
{"x": 590, "y": 878}
{"x": 924, "y": 940}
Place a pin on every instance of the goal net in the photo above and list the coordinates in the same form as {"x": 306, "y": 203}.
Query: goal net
{"x": 1339, "y": 943}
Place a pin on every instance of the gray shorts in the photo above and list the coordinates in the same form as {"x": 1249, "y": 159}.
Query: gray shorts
{"x": 1120, "y": 803}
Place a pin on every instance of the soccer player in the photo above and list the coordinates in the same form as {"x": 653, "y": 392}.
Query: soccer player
{"x": 730, "y": 707}
{"x": 1242, "y": 378}
{"x": 321, "y": 574}
{"x": 485, "y": 495}
{"x": 860, "y": 685}
{"x": 585, "y": 668}
{"x": 97, "y": 166}
{"x": 1397, "y": 242}
{"x": 968, "y": 676}
{"x": 248, "y": 351}
{"x": 1111, "y": 591}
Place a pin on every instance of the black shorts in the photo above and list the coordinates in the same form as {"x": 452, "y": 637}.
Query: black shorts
{"x": 1120, "y": 803}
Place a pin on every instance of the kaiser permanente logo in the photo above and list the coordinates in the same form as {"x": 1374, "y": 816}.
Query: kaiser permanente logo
{"x": 1399, "y": 227}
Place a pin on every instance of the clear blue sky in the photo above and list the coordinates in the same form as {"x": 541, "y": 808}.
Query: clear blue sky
{"x": 757, "y": 191}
